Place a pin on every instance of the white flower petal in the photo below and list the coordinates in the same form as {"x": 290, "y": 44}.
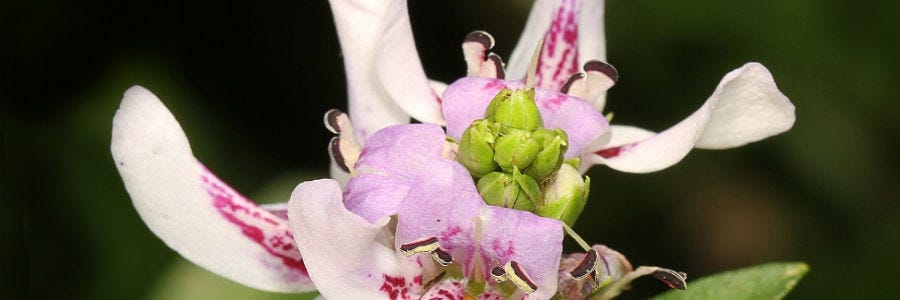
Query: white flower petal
{"x": 536, "y": 27}
{"x": 746, "y": 107}
{"x": 400, "y": 70}
{"x": 592, "y": 42}
{"x": 347, "y": 257}
{"x": 360, "y": 25}
{"x": 591, "y": 31}
{"x": 191, "y": 210}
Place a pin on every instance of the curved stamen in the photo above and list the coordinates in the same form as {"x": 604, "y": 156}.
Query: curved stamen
{"x": 587, "y": 266}
{"x": 672, "y": 278}
{"x": 478, "y": 61}
{"x": 596, "y": 78}
{"x": 442, "y": 257}
{"x": 498, "y": 274}
{"x": 517, "y": 276}
{"x": 343, "y": 149}
{"x": 421, "y": 246}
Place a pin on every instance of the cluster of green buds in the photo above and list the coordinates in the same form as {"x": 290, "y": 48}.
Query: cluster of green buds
{"x": 520, "y": 164}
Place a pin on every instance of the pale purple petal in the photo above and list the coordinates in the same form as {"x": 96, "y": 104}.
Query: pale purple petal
{"x": 614, "y": 264}
{"x": 466, "y": 100}
{"x": 532, "y": 241}
{"x": 399, "y": 69}
{"x": 348, "y": 257}
{"x": 191, "y": 210}
{"x": 576, "y": 117}
{"x": 746, "y": 107}
{"x": 391, "y": 160}
{"x": 360, "y": 25}
{"x": 443, "y": 205}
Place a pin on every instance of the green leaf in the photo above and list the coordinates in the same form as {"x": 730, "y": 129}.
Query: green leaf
{"x": 766, "y": 281}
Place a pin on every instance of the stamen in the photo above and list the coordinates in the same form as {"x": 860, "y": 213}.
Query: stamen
{"x": 672, "y": 278}
{"x": 498, "y": 274}
{"x": 489, "y": 65}
{"x": 675, "y": 280}
{"x": 587, "y": 266}
{"x": 331, "y": 120}
{"x": 518, "y": 277}
{"x": 602, "y": 67}
{"x": 420, "y": 246}
{"x": 334, "y": 150}
{"x": 571, "y": 81}
{"x": 343, "y": 149}
{"x": 532, "y": 68}
{"x": 442, "y": 257}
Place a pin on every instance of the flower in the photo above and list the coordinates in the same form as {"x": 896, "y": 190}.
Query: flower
{"x": 745, "y": 107}
{"x": 409, "y": 203}
{"x": 404, "y": 197}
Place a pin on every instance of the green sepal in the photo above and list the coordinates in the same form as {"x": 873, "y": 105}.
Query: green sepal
{"x": 515, "y": 149}
{"x": 515, "y": 109}
{"x": 476, "y": 148}
{"x": 554, "y": 144}
{"x": 565, "y": 196}
{"x": 514, "y": 190}
{"x": 529, "y": 188}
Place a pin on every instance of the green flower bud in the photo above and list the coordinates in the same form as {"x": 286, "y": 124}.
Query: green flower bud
{"x": 476, "y": 149}
{"x": 515, "y": 149}
{"x": 554, "y": 144}
{"x": 515, "y": 109}
{"x": 516, "y": 190}
{"x": 565, "y": 196}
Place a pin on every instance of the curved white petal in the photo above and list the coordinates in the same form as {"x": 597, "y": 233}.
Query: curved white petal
{"x": 624, "y": 134}
{"x": 191, "y": 210}
{"x": 400, "y": 70}
{"x": 592, "y": 40}
{"x": 347, "y": 257}
{"x": 591, "y": 31}
{"x": 360, "y": 25}
{"x": 746, "y": 107}
{"x": 536, "y": 27}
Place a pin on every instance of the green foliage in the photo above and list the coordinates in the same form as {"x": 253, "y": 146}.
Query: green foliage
{"x": 766, "y": 281}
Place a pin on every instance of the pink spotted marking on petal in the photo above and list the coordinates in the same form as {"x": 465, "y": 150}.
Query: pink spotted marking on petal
{"x": 559, "y": 56}
{"x": 451, "y": 295}
{"x": 266, "y": 229}
{"x": 493, "y": 85}
{"x": 395, "y": 287}
{"x": 281, "y": 213}
{"x": 610, "y": 152}
{"x": 554, "y": 102}
{"x": 504, "y": 252}
{"x": 490, "y": 296}
{"x": 450, "y": 233}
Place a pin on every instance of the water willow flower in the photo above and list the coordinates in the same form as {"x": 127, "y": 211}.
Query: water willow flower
{"x": 405, "y": 204}
{"x": 411, "y": 224}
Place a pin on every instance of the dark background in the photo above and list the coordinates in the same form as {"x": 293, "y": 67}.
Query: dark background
{"x": 250, "y": 82}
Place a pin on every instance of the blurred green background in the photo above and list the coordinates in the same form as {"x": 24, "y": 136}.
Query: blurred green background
{"x": 249, "y": 83}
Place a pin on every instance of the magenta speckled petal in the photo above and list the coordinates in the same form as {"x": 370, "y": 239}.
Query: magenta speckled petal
{"x": 444, "y": 205}
{"x": 533, "y": 242}
{"x": 193, "y": 211}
